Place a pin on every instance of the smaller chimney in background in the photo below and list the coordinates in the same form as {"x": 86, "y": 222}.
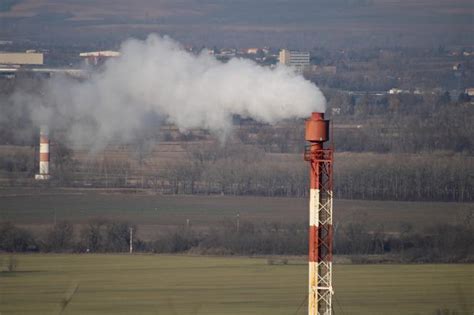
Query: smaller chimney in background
{"x": 43, "y": 155}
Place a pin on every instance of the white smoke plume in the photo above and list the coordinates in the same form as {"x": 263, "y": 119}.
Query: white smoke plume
{"x": 158, "y": 77}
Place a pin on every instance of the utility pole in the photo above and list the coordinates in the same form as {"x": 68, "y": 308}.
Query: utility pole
{"x": 131, "y": 240}
{"x": 238, "y": 222}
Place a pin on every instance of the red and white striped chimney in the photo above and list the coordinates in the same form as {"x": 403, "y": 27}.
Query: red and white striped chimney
{"x": 320, "y": 216}
{"x": 43, "y": 154}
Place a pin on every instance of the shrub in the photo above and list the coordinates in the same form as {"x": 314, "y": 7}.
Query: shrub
{"x": 14, "y": 239}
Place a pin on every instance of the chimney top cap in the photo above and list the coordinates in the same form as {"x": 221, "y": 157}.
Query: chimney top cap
{"x": 317, "y": 116}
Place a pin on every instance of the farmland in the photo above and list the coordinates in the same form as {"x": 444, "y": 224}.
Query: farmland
{"x": 39, "y": 208}
{"x": 155, "y": 284}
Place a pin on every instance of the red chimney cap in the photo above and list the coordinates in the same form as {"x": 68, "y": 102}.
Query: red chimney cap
{"x": 317, "y": 116}
{"x": 317, "y": 129}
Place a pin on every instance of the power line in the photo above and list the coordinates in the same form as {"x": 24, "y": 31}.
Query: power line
{"x": 301, "y": 304}
{"x": 339, "y": 304}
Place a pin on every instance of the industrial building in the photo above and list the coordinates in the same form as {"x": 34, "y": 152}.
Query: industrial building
{"x": 9, "y": 72}
{"x": 469, "y": 91}
{"x": 21, "y": 58}
{"x": 296, "y": 59}
{"x": 96, "y": 58}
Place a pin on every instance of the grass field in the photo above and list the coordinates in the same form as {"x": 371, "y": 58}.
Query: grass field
{"x": 38, "y": 209}
{"x": 122, "y": 284}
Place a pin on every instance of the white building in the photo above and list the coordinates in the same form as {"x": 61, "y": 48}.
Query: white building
{"x": 394, "y": 91}
{"x": 252, "y": 51}
{"x": 469, "y": 91}
{"x": 95, "y": 58}
{"x": 296, "y": 59}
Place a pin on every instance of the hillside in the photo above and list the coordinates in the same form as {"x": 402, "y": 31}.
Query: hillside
{"x": 299, "y": 23}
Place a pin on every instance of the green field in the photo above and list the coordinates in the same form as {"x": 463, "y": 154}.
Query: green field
{"x": 149, "y": 284}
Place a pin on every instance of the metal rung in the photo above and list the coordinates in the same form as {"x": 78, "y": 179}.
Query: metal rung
{"x": 326, "y": 288}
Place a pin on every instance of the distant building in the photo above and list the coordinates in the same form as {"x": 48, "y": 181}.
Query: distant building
{"x": 296, "y": 59}
{"x": 9, "y": 72}
{"x": 95, "y": 58}
{"x": 226, "y": 53}
{"x": 252, "y": 51}
{"x": 322, "y": 70}
{"x": 398, "y": 91}
{"x": 21, "y": 58}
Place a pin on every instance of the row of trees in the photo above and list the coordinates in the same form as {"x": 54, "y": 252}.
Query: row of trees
{"x": 444, "y": 177}
{"x": 440, "y": 243}
{"x": 98, "y": 235}
{"x": 403, "y": 124}
{"x": 246, "y": 170}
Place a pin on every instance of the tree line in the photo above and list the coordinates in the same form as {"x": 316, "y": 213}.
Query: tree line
{"x": 402, "y": 123}
{"x": 234, "y": 169}
{"x": 441, "y": 177}
{"x": 438, "y": 243}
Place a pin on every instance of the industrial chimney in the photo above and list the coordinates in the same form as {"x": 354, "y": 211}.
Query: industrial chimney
{"x": 43, "y": 155}
{"x": 320, "y": 215}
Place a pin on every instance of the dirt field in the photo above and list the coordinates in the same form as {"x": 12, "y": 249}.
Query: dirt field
{"x": 40, "y": 208}
{"x": 149, "y": 284}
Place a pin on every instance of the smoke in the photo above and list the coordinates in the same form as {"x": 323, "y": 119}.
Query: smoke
{"x": 157, "y": 78}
